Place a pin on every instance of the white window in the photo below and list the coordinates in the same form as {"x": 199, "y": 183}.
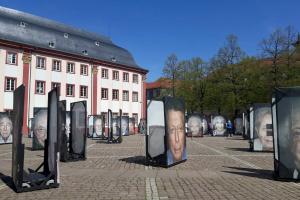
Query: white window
{"x": 135, "y": 96}
{"x": 70, "y": 90}
{"x": 40, "y": 87}
{"x": 125, "y": 95}
{"x": 70, "y": 68}
{"x": 40, "y": 63}
{"x": 104, "y": 93}
{"x": 104, "y": 73}
{"x": 10, "y": 84}
{"x": 83, "y": 91}
{"x": 115, "y": 75}
{"x": 135, "y": 78}
{"x": 11, "y": 58}
{"x": 56, "y": 65}
{"x": 125, "y": 77}
{"x": 115, "y": 94}
{"x": 84, "y": 70}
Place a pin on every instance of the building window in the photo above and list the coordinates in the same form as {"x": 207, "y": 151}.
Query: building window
{"x": 40, "y": 63}
{"x": 10, "y": 84}
{"x": 83, "y": 91}
{"x": 125, "y": 77}
{"x": 11, "y": 58}
{"x": 104, "y": 114}
{"x": 115, "y": 94}
{"x": 125, "y": 95}
{"x": 115, "y": 75}
{"x": 56, "y": 85}
{"x": 84, "y": 70}
{"x": 104, "y": 73}
{"x": 125, "y": 114}
{"x": 135, "y": 96}
{"x": 56, "y": 65}
{"x": 104, "y": 93}
{"x": 135, "y": 78}
{"x": 70, "y": 90}
{"x": 40, "y": 87}
{"x": 70, "y": 67}
{"x": 135, "y": 116}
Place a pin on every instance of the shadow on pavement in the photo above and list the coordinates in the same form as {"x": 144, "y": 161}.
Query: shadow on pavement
{"x": 140, "y": 160}
{"x": 7, "y": 180}
{"x": 238, "y": 149}
{"x": 251, "y": 172}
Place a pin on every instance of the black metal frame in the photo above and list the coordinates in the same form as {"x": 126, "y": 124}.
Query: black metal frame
{"x": 111, "y": 138}
{"x": 36, "y": 179}
{"x": 72, "y": 156}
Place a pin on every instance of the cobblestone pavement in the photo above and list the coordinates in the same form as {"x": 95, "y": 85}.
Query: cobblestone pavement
{"x": 217, "y": 168}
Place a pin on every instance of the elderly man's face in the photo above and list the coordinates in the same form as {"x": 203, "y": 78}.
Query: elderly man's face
{"x": 98, "y": 126}
{"x": 41, "y": 131}
{"x": 176, "y": 138}
{"x": 124, "y": 126}
{"x": 5, "y": 127}
{"x": 266, "y": 140}
{"x": 194, "y": 126}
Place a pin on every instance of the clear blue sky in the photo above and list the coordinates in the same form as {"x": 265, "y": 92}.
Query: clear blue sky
{"x": 153, "y": 29}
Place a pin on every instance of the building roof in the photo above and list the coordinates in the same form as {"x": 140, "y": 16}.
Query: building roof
{"x": 163, "y": 83}
{"x": 24, "y": 28}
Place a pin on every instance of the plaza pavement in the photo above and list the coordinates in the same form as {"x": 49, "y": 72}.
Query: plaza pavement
{"x": 217, "y": 168}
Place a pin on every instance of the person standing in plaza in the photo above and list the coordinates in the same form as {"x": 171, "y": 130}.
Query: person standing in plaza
{"x": 229, "y": 128}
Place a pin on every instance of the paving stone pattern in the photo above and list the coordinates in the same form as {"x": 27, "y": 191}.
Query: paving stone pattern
{"x": 217, "y": 168}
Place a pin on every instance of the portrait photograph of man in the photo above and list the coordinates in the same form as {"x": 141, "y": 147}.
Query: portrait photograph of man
{"x": 39, "y": 128}
{"x": 6, "y": 128}
{"x": 175, "y": 123}
{"x": 97, "y": 126}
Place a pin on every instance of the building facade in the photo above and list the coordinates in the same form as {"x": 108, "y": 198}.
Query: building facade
{"x": 43, "y": 54}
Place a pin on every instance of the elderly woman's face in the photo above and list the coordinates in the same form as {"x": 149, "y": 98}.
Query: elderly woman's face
{"x": 262, "y": 131}
{"x": 5, "y": 127}
{"x": 194, "y": 125}
{"x": 219, "y": 123}
{"x": 40, "y": 131}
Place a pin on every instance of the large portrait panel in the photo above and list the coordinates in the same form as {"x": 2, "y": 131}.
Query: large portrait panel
{"x": 175, "y": 130}
{"x": 262, "y": 128}
{"x": 286, "y": 124}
